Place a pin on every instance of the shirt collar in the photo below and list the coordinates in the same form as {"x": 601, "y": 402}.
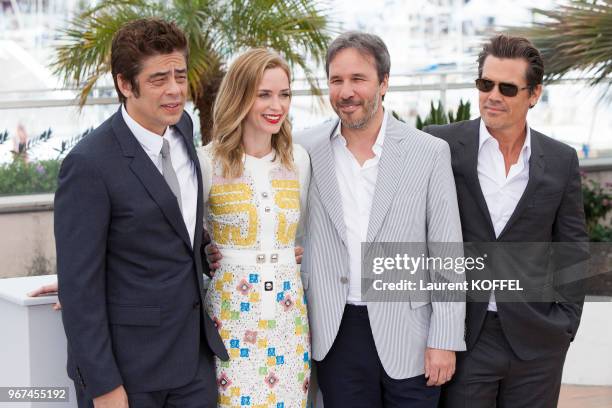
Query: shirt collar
{"x": 151, "y": 142}
{"x": 380, "y": 139}
{"x": 484, "y": 136}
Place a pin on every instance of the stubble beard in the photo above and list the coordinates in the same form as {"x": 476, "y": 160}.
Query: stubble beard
{"x": 370, "y": 108}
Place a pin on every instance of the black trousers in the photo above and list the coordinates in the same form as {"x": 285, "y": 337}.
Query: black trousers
{"x": 491, "y": 375}
{"x": 351, "y": 375}
{"x": 201, "y": 392}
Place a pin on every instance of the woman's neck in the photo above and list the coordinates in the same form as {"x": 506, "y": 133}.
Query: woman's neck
{"x": 257, "y": 145}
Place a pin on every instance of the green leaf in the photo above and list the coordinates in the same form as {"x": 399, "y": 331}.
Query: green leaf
{"x": 577, "y": 35}
{"x": 299, "y": 30}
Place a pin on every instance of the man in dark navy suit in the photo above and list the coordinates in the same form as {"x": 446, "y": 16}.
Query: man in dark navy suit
{"x": 516, "y": 185}
{"x": 128, "y": 228}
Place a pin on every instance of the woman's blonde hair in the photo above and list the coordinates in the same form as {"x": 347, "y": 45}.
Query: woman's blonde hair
{"x": 235, "y": 98}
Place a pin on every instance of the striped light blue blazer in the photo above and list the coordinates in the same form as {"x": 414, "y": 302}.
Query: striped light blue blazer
{"x": 414, "y": 201}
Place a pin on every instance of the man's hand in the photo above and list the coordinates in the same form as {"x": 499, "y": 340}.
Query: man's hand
{"x": 439, "y": 366}
{"x": 47, "y": 290}
{"x": 299, "y": 251}
{"x": 117, "y": 398}
{"x": 213, "y": 256}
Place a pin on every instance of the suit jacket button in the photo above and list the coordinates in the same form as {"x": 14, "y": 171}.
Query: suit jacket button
{"x": 344, "y": 280}
{"x": 196, "y": 305}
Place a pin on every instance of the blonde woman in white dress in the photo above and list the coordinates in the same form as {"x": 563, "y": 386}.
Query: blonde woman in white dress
{"x": 255, "y": 185}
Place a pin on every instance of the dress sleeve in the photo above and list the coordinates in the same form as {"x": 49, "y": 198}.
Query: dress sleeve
{"x": 302, "y": 164}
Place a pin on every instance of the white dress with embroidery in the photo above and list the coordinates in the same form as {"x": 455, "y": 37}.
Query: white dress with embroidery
{"x": 256, "y": 297}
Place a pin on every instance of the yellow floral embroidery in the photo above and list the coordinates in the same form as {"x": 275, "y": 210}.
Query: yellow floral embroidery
{"x": 233, "y": 199}
{"x": 287, "y": 198}
{"x": 286, "y": 184}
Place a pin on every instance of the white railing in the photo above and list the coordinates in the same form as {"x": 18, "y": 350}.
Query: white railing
{"x": 438, "y": 81}
{"x": 557, "y": 114}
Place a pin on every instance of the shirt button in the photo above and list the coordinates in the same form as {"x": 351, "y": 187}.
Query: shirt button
{"x": 264, "y": 194}
{"x": 344, "y": 280}
{"x": 267, "y": 209}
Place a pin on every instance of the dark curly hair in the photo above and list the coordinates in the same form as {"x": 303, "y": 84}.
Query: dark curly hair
{"x": 138, "y": 40}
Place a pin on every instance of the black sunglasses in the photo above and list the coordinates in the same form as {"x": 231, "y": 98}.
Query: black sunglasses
{"x": 506, "y": 89}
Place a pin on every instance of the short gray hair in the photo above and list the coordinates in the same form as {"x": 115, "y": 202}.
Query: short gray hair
{"x": 368, "y": 44}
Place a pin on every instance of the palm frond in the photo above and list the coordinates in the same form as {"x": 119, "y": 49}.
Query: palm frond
{"x": 299, "y": 30}
{"x": 83, "y": 55}
{"x": 575, "y": 36}
{"x": 216, "y": 30}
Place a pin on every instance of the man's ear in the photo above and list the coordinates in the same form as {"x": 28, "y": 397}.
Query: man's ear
{"x": 535, "y": 96}
{"x": 384, "y": 85}
{"x": 124, "y": 86}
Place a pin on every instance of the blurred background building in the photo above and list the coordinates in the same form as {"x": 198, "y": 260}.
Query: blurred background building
{"x": 433, "y": 45}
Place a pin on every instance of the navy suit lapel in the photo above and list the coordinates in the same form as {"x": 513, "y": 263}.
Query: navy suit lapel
{"x": 153, "y": 181}
{"x": 467, "y": 162}
{"x": 186, "y": 132}
{"x": 536, "y": 171}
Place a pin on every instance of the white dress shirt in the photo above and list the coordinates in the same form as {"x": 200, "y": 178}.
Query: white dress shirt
{"x": 356, "y": 184}
{"x": 502, "y": 193}
{"x": 181, "y": 162}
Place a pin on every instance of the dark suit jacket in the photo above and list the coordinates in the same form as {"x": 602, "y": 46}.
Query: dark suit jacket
{"x": 130, "y": 281}
{"x": 550, "y": 210}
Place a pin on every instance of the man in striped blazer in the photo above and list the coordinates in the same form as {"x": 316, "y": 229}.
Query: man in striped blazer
{"x": 375, "y": 180}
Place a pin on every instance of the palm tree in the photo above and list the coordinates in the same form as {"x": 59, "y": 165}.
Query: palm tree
{"x": 576, "y": 36}
{"x": 216, "y": 30}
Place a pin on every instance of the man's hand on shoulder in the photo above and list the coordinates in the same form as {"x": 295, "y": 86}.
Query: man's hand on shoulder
{"x": 117, "y": 398}
{"x": 439, "y": 366}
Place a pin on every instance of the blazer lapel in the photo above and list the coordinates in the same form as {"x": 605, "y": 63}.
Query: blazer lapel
{"x": 187, "y": 133}
{"x": 467, "y": 163}
{"x": 389, "y": 171}
{"x": 150, "y": 177}
{"x": 536, "y": 171}
{"x": 324, "y": 171}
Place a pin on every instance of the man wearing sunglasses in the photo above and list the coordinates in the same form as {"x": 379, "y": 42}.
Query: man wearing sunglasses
{"x": 514, "y": 185}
